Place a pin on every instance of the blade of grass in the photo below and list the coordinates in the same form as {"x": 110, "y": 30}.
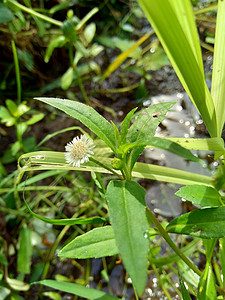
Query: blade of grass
{"x": 121, "y": 58}
{"x": 218, "y": 75}
{"x": 45, "y": 160}
{"x": 179, "y": 49}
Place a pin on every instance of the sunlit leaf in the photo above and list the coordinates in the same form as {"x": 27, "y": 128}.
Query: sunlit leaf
{"x": 126, "y": 201}
{"x": 75, "y": 289}
{"x": 98, "y": 242}
{"x": 206, "y": 223}
{"x": 87, "y": 115}
{"x": 200, "y": 195}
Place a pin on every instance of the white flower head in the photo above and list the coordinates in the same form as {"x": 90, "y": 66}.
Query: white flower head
{"x": 79, "y": 150}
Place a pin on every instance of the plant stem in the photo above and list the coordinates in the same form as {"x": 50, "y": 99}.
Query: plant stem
{"x": 34, "y": 13}
{"x": 79, "y": 80}
{"x": 105, "y": 167}
{"x": 167, "y": 238}
{"x": 52, "y": 252}
{"x": 161, "y": 282}
{"x": 17, "y": 69}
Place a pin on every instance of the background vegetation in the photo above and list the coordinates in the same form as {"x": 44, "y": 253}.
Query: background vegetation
{"x": 103, "y": 54}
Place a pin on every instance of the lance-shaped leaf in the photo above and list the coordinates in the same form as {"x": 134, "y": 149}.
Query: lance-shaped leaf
{"x": 218, "y": 75}
{"x": 206, "y": 223}
{"x": 145, "y": 126}
{"x": 126, "y": 201}
{"x": 147, "y": 121}
{"x": 200, "y": 195}
{"x": 72, "y": 221}
{"x": 174, "y": 25}
{"x": 98, "y": 242}
{"x": 76, "y": 289}
{"x": 163, "y": 144}
{"x": 86, "y": 115}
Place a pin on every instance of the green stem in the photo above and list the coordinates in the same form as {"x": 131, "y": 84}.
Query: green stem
{"x": 52, "y": 252}
{"x": 36, "y": 14}
{"x": 79, "y": 80}
{"x": 161, "y": 282}
{"x": 17, "y": 69}
{"x": 105, "y": 167}
{"x": 167, "y": 238}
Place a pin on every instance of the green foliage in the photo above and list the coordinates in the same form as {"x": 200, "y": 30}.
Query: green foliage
{"x": 200, "y": 195}
{"x": 98, "y": 242}
{"x": 76, "y": 289}
{"x": 126, "y": 201}
{"x": 25, "y": 251}
{"x": 116, "y": 153}
{"x": 206, "y": 223}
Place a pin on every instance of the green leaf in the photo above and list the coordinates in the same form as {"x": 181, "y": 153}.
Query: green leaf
{"x": 148, "y": 121}
{"x": 164, "y": 14}
{"x": 98, "y": 242}
{"x": 5, "y": 14}
{"x": 207, "y": 286}
{"x": 25, "y": 251}
{"x": 87, "y": 115}
{"x": 125, "y": 125}
{"x": 184, "y": 291}
{"x": 35, "y": 118}
{"x": 218, "y": 74}
{"x": 4, "y": 292}
{"x": 6, "y": 117}
{"x": 126, "y": 201}
{"x": 164, "y": 144}
{"x": 72, "y": 221}
{"x": 12, "y": 107}
{"x": 56, "y": 43}
{"x": 67, "y": 79}
{"x": 22, "y": 109}
{"x": 200, "y": 195}
{"x": 21, "y": 128}
{"x": 89, "y": 32}
{"x": 145, "y": 126}
{"x": 69, "y": 31}
{"x": 75, "y": 289}
{"x": 222, "y": 256}
{"x": 122, "y": 57}
{"x": 206, "y": 223}
{"x": 17, "y": 284}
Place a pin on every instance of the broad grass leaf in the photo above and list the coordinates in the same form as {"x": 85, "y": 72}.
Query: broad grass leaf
{"x": 86, "y": 115}
{"x": 206, "y": 223}
{"x": 200, "y": 195}
{"x": 98, "y": 242}
{"x": 76, "y": 289}
{"x": 176, "y": 37}
{"x": 218, "y": 75}
{"x": 127, "y": 212}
